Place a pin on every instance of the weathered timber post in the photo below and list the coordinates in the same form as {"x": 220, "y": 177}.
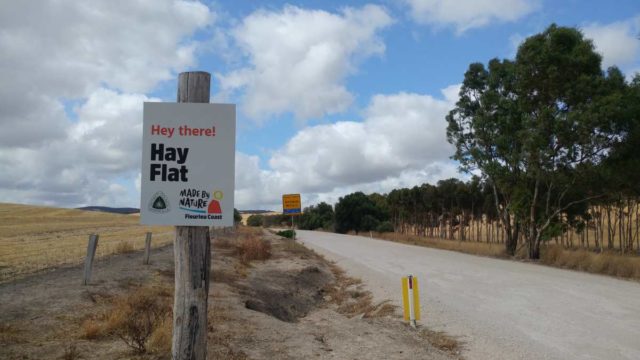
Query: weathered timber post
{"x": 88, "y": 262}
{"x": 147, "y": 249}
{"x": 192, "y": 252}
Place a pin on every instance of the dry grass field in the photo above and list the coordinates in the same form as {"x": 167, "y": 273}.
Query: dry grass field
{"x": 34, "y": 238}
{"x": 245, "y": 216}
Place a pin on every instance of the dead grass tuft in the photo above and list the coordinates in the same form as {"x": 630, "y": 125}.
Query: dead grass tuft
{"x": 441, "y": 341}
{"x": 383, "y": 309}
{"x": 71, "y": 353}
{"x": 161, "y": 337}
{"x": 124, "y": 247}
{"x": 225, "y": 276}
{"x": 141, "y": 318}
{"x": 9, "y": 333}
{"x": 253, "y": 248}
{"x": 91, "y": 329}
{"x": 347, "y": 293}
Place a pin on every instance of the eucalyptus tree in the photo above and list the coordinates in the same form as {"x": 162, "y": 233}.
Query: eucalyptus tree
{"x": 535, "y": 127}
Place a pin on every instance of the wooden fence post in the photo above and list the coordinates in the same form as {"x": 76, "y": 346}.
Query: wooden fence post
{"x": 192, "y": 252}
{"x": 88, "y": 261}
{"x": 147, "y": 249}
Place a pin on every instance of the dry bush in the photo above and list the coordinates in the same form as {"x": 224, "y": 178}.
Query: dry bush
{"x": 253, "y": 248}
{"x": 91, "y": 329}
{"x": 137, "y": 316}
{"x": 124, "y": 247}
{"x": 161, "y": 337}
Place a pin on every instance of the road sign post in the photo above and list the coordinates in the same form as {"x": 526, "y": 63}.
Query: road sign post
{"x": 291, "y": 205}
{"x": 188, "y": 175}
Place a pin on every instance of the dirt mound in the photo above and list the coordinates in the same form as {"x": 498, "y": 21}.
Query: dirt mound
{"x": 288, "y": 295}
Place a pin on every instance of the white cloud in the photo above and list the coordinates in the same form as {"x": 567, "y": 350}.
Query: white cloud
{"x": 617, "y": 42}
{"x": 298, "y": 59}
{"x": 401, "y": 142}
{"x": 100, "y": 55}
{"x": 67, "y": 48}
{"x": 101, "y": 147}
{"x": 468, "y": 14}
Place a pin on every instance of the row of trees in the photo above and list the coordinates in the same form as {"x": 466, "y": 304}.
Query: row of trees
{"x": 466, "y": 211}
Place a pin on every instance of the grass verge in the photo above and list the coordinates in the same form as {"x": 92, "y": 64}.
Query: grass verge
{"x": 605, "y": 263}
{"x": 467, "y": 247}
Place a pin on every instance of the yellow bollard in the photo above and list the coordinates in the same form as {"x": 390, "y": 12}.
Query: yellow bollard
{"x": 410, "y": 299}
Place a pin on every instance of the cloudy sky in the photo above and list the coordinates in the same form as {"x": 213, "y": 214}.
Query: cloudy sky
{"x": 332, "y": 98}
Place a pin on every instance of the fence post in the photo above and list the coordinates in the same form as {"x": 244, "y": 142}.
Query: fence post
{"x": 147, "y": 249}
{"x": 192, "y": 252}
{"x": 88, "y": 261}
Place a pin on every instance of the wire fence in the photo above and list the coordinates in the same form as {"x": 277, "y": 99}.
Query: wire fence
{"x": 27, "y": 254}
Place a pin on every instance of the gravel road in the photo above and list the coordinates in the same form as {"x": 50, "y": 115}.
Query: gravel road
{"x": 499, "y": 309}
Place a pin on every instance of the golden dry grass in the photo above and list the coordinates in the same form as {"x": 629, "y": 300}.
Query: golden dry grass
{"x": 253, "y": 248}
{"x": 625, "y": 266}
{"x": 142, "y": 318}
{"x": 352, "y": 300}
{"x": 124, "y": 247}
{"x": 35, "y": 237}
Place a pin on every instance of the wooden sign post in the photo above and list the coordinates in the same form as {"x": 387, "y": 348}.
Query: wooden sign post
{"x": 192, "y": 251}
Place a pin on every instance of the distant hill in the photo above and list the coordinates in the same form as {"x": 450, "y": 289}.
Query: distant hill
{"x": 254, "y": 211}
{"x": 124, "y": 210}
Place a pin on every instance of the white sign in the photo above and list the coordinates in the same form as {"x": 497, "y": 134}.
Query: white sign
{"x": 188, "y": 164}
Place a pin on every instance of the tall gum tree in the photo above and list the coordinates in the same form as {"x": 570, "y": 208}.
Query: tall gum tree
{"x": 538, "y": 128}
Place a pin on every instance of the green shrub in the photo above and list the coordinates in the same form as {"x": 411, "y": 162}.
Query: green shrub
{"x": 384, "y": 226}
{"x": 289, "y": 234}
{"x": 255, "y": 220}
